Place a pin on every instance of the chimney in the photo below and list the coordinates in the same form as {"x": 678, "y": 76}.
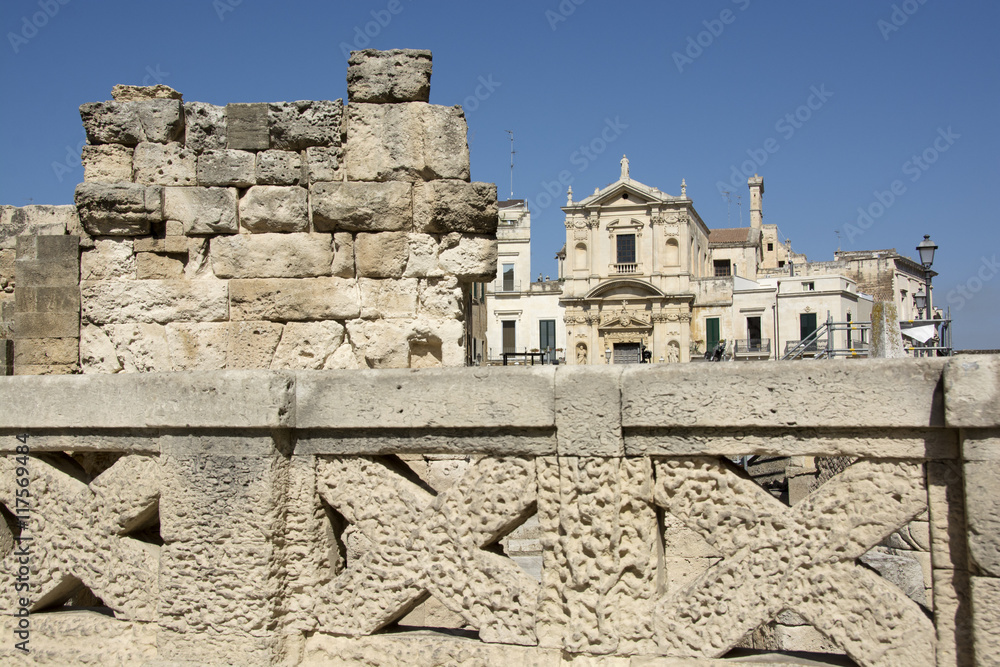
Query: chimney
{"x": 756, "y": 201}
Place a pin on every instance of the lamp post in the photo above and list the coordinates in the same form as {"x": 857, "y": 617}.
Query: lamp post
{"x": 920, "y": 301}
{"x": 926, "y": 249}
{"x": 607, "y": 355}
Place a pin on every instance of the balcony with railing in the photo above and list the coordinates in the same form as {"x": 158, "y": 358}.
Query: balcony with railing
{"x": 752, "y": 348}
{"x": 626, "y": 269}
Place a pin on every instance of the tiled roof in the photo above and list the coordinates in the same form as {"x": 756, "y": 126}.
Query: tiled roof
{"x": 731, "y": 235}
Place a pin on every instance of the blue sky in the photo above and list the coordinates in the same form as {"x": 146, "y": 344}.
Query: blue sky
{"x": 835, "y": 104}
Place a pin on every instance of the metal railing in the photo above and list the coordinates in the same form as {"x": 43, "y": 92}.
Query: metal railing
{"x": 753, "y": 346}
{"x": 501, "y": 287}
{"x": 856, "y": 337}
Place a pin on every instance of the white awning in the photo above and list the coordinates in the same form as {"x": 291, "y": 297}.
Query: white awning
{"x": 920, "y": 334}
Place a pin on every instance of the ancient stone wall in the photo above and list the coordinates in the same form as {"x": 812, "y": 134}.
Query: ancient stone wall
{"x": 291, "y": 235}
{"x": 290, "y": 517}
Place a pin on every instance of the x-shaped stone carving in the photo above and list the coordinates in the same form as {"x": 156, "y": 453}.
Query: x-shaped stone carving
{"x": 422, "y": 544}
{"x": 77, "y": 530}
{"x": 800, "y": 558}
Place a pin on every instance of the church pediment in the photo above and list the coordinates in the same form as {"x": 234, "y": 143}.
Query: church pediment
{"x": 626, "y": 318}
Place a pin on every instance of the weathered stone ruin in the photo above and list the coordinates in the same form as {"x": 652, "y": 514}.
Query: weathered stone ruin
{"x": 259, "y": 508}
{"x": 288, "y": 235}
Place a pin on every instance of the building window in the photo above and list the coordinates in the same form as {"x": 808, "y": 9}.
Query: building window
{"x": 711, "y": 333}
{"x": 753, "y": 334}
{"x": 547, "y": 338}
{"x": 770, "y": 247}
{"x": 509, "y": 333}
{"x": 808, "y": 287}
{"x": 723, "y": 268}
{"x": 781, "y": 264}
{"x": 508, "y": 277}
{"x": 626, "y": 248}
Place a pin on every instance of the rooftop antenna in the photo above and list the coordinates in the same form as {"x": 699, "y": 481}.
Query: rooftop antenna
{"x": 511, "y": 133}
{"x": 728, "y": 196}
{"x": 739, "y": 204}
{"x": 837, "y": 232}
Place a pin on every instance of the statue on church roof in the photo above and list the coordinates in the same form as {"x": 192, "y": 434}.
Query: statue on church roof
{"x": 624, "y": 163}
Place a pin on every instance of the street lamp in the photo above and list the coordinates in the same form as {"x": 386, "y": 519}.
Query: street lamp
{"x": 926, "y": 249}
{"x": 607, "y": 354}
{"x": 920, "y": 301}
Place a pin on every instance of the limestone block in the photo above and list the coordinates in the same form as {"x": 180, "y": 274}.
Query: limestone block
{"x": 246, "y": 127}
{"x": 34, "y": 221}
{"x": 79, "y": 637}
{"x": 588, "y": 412}
{"x": 382, "y": 255}
{"x": 199, "y": 266}
{"x": 423, "y": 260}
{"x": 981, "y": 445}
{"x": 204, "y": 126}
{"x": 140, "y": 348}
{"x": 741, "y": 395}
{"x": 469, "y": 258}
{"x": 982, "y": 502}
{"x": 272, "y": 255}
{"x": 225, "y": 167}
{"x": 406, "y": 142}
{"x": 597, "y": 592}
{"x": 97, "y": 352}
{"x": 680, "y": 572}
{"x": 406, "y": 649}
{"x": 946, "y": 509}
{"x": 276, "y": 167}
{"x": 157, "y": 266}
{"x": 364, "y": 207}
{"x": 953, "y": 617}
{"x": 387, "y": 299}
{"x": 217, "y": 399}
{"x": 107, "y": 163}
{"x": 126, "y": 93}
{"x": 164, "y": 164}
{"x": 972, "y": 390}
{"x": 273, "y": 208}
{"x": 289, "y": 299}
{"x": 343, "y": 255}
{"x": 202, "y": 210}
{"x": 46, "y": 325}
{"x": 46, "y": 351}
{"x": 171, "y": 245}
{"x": 121, "y": 209}
{"x": 252, "y": 344}
{"x": 199, "y": 618}
{"x": 986, "y": 620}
{"x": 901, "y": 569}
{"x": 455, "y": 206}
{"x": 803, "y": 638}
{"x": 442, "y": 297}
{"x": 297, "y": 125}
{"x": 397, "y": 75}
{"x": 162, "y": 301}
{"x": 48, "y": 369}
{"x": 111, "y": 123}
{"x": 322, "y": 163}
{"x": 6, "y": 269}
{"x": 47, "y": 299}
{"x": 308, "y": 345}
{"x": 494, "y": 397}
{"x": 198, "y": 346}
{"x": 162, "y": 120}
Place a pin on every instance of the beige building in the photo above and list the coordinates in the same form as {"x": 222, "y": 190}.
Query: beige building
{"x": 522, "y": 316}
